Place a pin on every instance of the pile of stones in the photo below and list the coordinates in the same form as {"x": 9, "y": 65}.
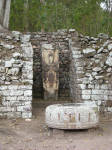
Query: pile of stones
{"x": 97, "y": 58}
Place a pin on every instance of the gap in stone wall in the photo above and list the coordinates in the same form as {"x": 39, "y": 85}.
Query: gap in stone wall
{"x": 59, "y": 41}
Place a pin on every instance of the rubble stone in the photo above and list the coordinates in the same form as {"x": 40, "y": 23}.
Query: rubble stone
{"x": 89, "y": 52}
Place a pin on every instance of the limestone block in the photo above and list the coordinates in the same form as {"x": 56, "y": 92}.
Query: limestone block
{"x": 72, "y": 30}
{"x": 26, "y": 115}
{"x": 98, "y": 77}
{"x": 82, "y": 86}
{"x": 110, "y": 109}
{"x": 27, "y": 81}
{"x": 110, "y": 54}
{"x": 26, "y": 108}
{"x": 103, "y": 36}
{"x": 109, "y": 92}
{"x": 25, "y": 87}
{"x": 11, "y": 103}
{"x": 100, "y": 50}
{"x": 110, "y": 47}
{"x": 7, "y": 109}
{"x": 28, "y": 66}
{"x": 99, "y": 97}
{"x": 97, "y": 86}
{"x": 96, "y": 69}
{"x": 25, "y": 38}
{"x": 76, "y": 52}
{"x": 91, "y": 86}
{"x": 80, "y": 72}
{"x": 77, "y": 56}
{"x": 106, "y": 43}
{"x": 27, "y": 74}
{"x": 24, "y": 98}
{"x": 85, "y": 80}
{"x": 109, "y": 61}
{"x": 86, "y": 92}
{"x": 86, "y": 97}
{"x": 3, "y": 87}
{"x": 98, "y": 92}
{"x": 104, "y": 86}
{"x": 105, "y": 51}
{"x": 16, "y": 92}
{"x": 27, "y": 50}
{"x": 94, "y": 73}
{"x": 109, "y": 69}
{"x": 12, "y": 87}
{"x": 13, "y": 71}
{"x": 16, "y": 35}
{"x": 11, "y": 98}
{"x": 89, "y": 52}
{"x": 5, "y": 92}
{"x": 16, "y": 55}
{"x": 8, "y": 64}
{"x": 28, "y": 93}
{"x": 47, "y": 46}
{"x": 7, "y": 46}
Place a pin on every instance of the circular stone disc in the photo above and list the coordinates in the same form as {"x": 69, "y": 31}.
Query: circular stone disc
{"x": 72, "y": 116}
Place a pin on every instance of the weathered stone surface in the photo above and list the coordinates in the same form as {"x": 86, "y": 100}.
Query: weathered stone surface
{"x": 109, "y": 61}
{"x": 16, "y": 94}
{"x": 110, "y": 47}
{"x": 103, "y": 36}
{"x": 8, "y": 46}
{"x": 8, "y": 64}
{"x": 100, "y": 50}
{"x": 47, "y": 46}
{"x": 27, "y": 50}
{"x": 16, "y": 54}
{"x": 25, "y": 38}
{"x": 50, "y": 66}
{"x": 89, "y": 52}
{"x": 16, "y": 35}
{"x": 72, "y": 116}
{"x": 97, "y": 69}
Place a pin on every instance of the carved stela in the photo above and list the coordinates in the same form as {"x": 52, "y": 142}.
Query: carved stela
{"x": 50, "y": 71}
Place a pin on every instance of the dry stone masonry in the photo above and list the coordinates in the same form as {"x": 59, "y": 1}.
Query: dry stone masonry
{"x": 91, "y": 70}
{"x": 85, "y": 69}
{"x": 16, "y": 75}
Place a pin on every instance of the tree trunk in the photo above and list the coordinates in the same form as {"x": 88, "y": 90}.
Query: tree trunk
{"x": 26, "y": 7}
{"x": 4, "y": 13}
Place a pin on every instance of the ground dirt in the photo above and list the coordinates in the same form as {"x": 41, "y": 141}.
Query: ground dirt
{"x": 20, "y": 134}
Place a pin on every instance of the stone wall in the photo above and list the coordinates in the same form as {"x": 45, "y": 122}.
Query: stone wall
{"x": 85, "y": 69}
{"x": 16, "y": 75}
{"x": 91, "y": 70}
{"x": 59, "y": 40}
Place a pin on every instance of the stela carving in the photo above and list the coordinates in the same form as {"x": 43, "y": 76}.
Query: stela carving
{"x": 50, "y": 67}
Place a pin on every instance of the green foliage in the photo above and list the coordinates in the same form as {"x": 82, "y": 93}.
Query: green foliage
{"x": 49, "y": 15}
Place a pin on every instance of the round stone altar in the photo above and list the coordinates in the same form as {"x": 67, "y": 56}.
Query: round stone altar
{"x": 72, "y": 116}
